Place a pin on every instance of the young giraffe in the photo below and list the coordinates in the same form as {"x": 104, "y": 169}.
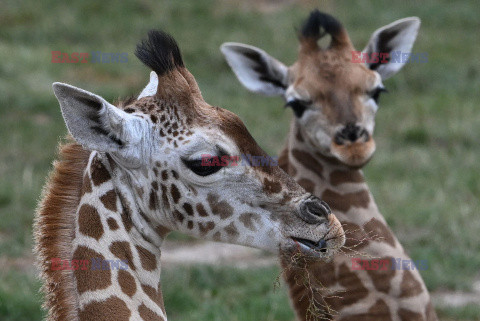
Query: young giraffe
{"x": 334, "y": 101}
{"x": 139, "y": 176}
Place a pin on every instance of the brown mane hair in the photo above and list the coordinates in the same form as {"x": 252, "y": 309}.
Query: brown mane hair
{"x": 54, "y": 229}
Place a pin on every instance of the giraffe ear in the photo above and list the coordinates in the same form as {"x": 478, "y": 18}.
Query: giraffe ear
{"x": 151, "y": 88}
{"x": 98, "y": 125}
{"x": 256, "y": 70}
{"x": 397, "y": 37}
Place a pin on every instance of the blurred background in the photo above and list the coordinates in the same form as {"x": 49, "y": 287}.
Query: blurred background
{"x": 425, "y": 175}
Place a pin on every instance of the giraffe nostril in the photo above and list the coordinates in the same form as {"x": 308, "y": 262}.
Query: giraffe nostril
{"x": 350, "y": 133}
{"x": 314, "y": 210}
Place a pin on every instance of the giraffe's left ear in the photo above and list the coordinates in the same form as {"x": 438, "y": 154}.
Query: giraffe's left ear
{"x": 98, "y": 125}
{"x": 151, "y": 88}
{"x": 257, "y": 71}
{"x": 398, "y": 36}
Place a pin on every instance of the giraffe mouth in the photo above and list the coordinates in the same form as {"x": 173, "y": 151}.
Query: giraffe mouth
{"x": 320, "y": 246}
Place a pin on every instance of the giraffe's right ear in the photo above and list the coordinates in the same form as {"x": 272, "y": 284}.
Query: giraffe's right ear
{"x": 256, "y": 70}
{"x": 98, "y": 125}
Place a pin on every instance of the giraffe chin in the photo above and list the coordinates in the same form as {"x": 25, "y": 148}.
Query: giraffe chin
{"x": 354, "y": 155}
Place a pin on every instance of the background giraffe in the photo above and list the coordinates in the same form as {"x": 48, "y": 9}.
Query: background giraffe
{"x": 135, "y": 173}
{"x": 334, "y": 101}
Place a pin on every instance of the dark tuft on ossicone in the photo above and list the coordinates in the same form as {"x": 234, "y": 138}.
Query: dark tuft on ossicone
{"x": 160, "y": 52}
{"x": 319, "y": 24}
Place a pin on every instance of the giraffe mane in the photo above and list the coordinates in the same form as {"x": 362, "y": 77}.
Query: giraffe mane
{"x": 54, "y": 229}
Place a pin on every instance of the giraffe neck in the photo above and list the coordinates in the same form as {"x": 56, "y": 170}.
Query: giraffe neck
{"x": 123, "y": 252}
{"x": 334, "y": 290}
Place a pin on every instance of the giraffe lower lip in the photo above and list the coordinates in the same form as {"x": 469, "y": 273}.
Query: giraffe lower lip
{"x": 320, "y": 246}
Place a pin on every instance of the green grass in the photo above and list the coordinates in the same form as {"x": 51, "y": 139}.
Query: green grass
{"x": 425, "y": 175}
{"x": 19, "y": 297}
{"x": 212, "y": 293}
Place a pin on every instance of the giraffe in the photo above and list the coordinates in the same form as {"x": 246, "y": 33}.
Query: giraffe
{"x": 334, "y": 101}
{"x": 130, "y": 174}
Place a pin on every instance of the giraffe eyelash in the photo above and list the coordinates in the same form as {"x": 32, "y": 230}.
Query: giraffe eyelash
{"x": 375, "y": 94}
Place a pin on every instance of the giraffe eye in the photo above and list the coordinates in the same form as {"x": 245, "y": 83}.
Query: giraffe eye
{"x": 203, "y": 166}
{"x": 297, "y": 106}
{"x": 375, "y": 94}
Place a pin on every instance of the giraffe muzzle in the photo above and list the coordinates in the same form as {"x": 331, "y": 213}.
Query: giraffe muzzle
{"x": 350, "y": 134}
{"x": 320, "y": 246}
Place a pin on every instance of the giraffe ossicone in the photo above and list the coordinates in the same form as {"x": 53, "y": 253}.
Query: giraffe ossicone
{"x": 334, "y": 100}
{"x": 132, "y": 173}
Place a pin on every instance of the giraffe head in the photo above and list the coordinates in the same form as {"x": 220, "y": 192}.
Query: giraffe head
{"x": 334, "y": 97}
{"x": 154, "y": 147}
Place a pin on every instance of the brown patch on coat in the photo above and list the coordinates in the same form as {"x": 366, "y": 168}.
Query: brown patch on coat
{"x": 306, "y": 284}
{"x": 271, "y": 186}
{"x": 147, "y": 258}
{"x": 381, "y": 232}
{"x": 380, "y": 309}
{"x": 166, "y": 203}
{"x": 112, "y": 224}
{"x": 283, "y": 162}
{"x": 126, "y": 213}
{"x": 162, "y": 231}
{"x": 205, "y": 227}
{"x": 220, "y": 208}
{"x": 307, "y": 184}
{"x": 146, "y": 314}
{"x": 87, "y": 185}
{"x": 201, "y": 210}
{"x": 408, "y": 315}
{"x": 89, "y": 222}
{"x": 355, "y": 237}
{"x": 338, "y": 177}
{"x": 105, "y": 310}
{"x": 232, "y": 230}
{"x": 154, "y": 295}
{"x": 248, "y": 220}
{"x": 308, "y": 161}
{"x": 164, "y": 175}
{"x": 153, "y": 200}
{"x": 90, "y": 279}
{"x": 188, "y": 208}
{"x": 109, "y": 200}
{"x": 410, "y": 286}
{"x": 178, "y": 216}
{"x": 98, "y": 172}
{"x": 343, "y": 202}
{"x": 175, "y": 193}
{"x": 355, "y": 289}
{"x": 127, "y": 283}
{"x": 382, "y": 278}
{"x": 122, "y": 250}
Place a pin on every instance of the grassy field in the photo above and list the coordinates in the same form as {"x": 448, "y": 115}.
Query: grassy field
{"x": 425, "y": 175}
